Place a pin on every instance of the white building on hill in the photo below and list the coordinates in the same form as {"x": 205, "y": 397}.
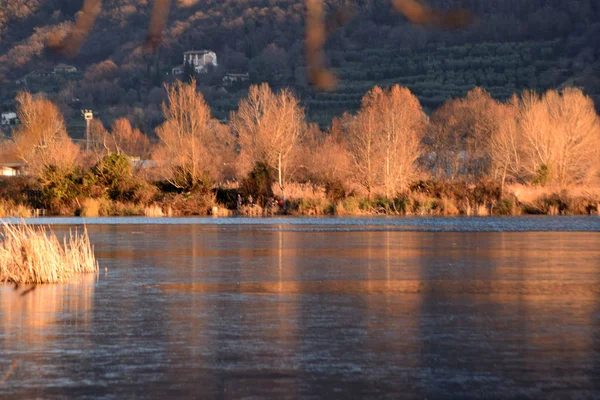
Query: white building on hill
{"x": 200, "y": 59}
{"x": 9, "y": 119}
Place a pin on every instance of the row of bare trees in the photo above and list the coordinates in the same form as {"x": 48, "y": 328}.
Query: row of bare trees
{"x": 552, "y": 138}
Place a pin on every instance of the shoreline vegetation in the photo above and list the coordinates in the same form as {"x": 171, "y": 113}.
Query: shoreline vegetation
{"x": 474, "y": 156}
{"x": 425, "y": 198}
{"x": 31, "y": 255}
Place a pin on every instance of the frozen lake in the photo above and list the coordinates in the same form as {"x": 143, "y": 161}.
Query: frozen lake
{"x": 314, "y": 308}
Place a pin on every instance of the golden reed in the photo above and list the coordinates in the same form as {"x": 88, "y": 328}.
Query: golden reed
{"x": 34, "y": 256}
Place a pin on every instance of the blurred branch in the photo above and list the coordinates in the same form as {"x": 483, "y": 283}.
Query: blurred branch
{"x": 13, "y": 365}
{"x": 84, "y": 23}
{"x": 158, "y": 22}
{"x": 317, "y": 31}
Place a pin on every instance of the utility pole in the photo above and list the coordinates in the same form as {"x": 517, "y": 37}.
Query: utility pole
{"x": 88, "y": 116}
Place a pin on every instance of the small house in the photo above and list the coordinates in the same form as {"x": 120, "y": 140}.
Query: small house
{"x": 8, "y": 119}
{"x": 12, "y": 168}
{"x": 64, "y": 69}
{"x": 231, "y": 78}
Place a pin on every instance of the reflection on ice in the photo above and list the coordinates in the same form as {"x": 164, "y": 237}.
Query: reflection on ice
{"x": 25, "y": 317}
{"x": 545, "y": 288}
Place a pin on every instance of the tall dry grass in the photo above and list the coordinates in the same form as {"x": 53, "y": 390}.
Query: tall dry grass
{"x": 29, "y": 255}
{"x": 554, "y": 200}
{"x": 295, "y": 190}
{"x": 12, "y": 209}
{"x": 90, "y": 208}
{"x": 153, "y": 210}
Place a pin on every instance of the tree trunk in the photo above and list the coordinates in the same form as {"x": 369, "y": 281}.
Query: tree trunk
{"x": 280, "y": 178}
{"x": 503, "y": 180}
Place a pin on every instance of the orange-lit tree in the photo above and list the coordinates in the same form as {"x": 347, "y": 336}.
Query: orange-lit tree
{"x": 458, "y": 138}
{"x": 269, "y": 127}
{"x": 188, "y": 151}
{"x": 41, "y": 140}
{"x": 127, "y": 140}
{"x": 385, "y": 139}
{"x": 549, "y": 139}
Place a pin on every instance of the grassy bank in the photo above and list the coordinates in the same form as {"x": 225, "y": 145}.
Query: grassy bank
{"x": 34, "y": 255}
{"x": 431, "y": 198}
{"x": 422, "y": 198}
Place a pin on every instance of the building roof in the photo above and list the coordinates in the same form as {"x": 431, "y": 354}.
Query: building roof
{"x": 198, "y": 52}
{"x": 16, "y": 164}
{"x": 64, "y": 66}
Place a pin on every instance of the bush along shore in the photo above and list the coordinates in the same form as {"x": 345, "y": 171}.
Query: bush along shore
{"x": 31, "y": 255}
{"x": 22, "y": 197}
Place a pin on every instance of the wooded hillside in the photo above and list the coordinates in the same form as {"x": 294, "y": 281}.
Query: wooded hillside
{"x": 512, "y": 45}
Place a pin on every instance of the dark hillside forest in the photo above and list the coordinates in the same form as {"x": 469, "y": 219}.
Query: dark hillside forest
{"x": 512, "y": 45}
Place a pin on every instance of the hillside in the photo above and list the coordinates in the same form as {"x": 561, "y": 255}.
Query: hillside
{"x": 511, "y": 46}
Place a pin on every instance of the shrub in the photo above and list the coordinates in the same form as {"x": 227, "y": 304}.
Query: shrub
{"x": 227, "y": 197}
{"x": 193, "y": 203}
{"x": 504, "y": 207}
{"x": 117, "y": 208}
{"x": 111, "y": 175}
{"x": 259, "y": 184}
{"x": 60, "y": 188}
{"x": 542, "y": 176}
{"x": 311, "y": 206}
{"x": 347, "y": 206}
{"x": 335, "y": 190}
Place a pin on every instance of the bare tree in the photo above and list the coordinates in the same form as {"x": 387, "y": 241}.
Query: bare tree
{"x": 127, "y": 140}
{"x": 362, "y": 143}
{"x": 41, "y": 140}
{"x": 384, "y": 139}
{"x": 189, "y": 141}
{"x": 505, "y": 146}
{"x": 269, "y": 128}
{"x": 576, "y": 127}
{"x": 458, "y": 137}
{"x": 552, "y": 138}
{"x": 402, "y": 122}
{"x": 329, "y": 161}
{"x": 99, "y": 140}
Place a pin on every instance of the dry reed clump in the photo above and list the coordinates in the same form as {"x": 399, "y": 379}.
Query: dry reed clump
{"x": 11, "y": 209}
{"x": 251, "y": 210}
{"x": 221, "y": 212}
{"x": 298, "y": 191}
{"x": 117, "y": 208}
{"x": 90, "y": 208}
{"x": 557, "y": 201}
{"x": 153, "y": 210}
{"x": 34, "y": 256}
{"x": 347, "y": 206}
{"x": 482, "y": 210}
{"x": 311, "y": 206}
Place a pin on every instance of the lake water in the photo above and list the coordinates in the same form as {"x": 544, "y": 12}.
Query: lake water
{"x": 314, "y": 308}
